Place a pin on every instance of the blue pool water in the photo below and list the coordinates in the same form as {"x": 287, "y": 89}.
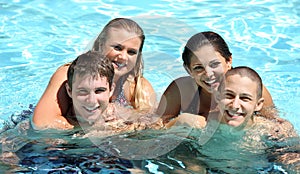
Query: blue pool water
{"x": 38, "y": 36}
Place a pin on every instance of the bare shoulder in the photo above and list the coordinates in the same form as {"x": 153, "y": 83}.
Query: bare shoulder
{"x": 61, "y": 73}
{"x": 147, "y": 85}
{"x": 176, "y": 97}
{"x": 267, "y": 96}
{"x": 186, "y": 80}
{"x": 54, "y": 103}
{"x": 183, "y": 85}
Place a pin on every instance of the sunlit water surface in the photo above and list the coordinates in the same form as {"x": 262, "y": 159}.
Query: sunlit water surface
{"x": 38, "y": 36}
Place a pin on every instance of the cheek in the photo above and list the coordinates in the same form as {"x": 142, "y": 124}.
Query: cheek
{"x": 132, "y": 61}
{"x": 103, "y": 97}
{"x": 110, "y": 54}
{"x": 219, "y": 71}
{"x": 197, "y": 77}
{"x": 196, "y": 74}
{"x": 81, "y": 100}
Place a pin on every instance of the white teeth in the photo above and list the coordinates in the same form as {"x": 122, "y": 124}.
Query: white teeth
{"x": 232, "y": 113}
{"x": 120, "y": 65}
{"x": 210, "y": 81}
{"x": 91, "y": 109}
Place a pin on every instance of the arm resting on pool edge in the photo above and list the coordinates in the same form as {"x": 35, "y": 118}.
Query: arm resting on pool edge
{"x": 54, "y": 103}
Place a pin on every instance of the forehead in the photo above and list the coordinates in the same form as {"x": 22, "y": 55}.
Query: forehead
{"x": 206, "y": 54}
{"x": 123, "y": 36}
{"x": 88, "y": 80}
{"x": 240, "y": 84}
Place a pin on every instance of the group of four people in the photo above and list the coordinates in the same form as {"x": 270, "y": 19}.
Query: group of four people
{"x": 89, "y": 89}
{"x": 106, "y": 85}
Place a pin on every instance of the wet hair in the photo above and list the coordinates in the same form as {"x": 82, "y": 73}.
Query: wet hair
{"x": 91, "y": 63}
{"x": 245, "y": 71}
{"x": 131, "y": 27}
{"x": 202, "y": 39}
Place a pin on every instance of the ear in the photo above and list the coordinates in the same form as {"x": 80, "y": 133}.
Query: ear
{"x": 69, "y": 91}
{"x": 187, "y": 69}
{"x": 112, "y": 89}
{"x": 259, "y": 104}
{"x": 229, "y": 63}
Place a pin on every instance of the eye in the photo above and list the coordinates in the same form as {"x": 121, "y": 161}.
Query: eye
{"x": 117, "y": 47}
{"x": 198, "y": 68}
{"x": 214, "y": 64}
{"x": 245, "y": 98}
{"x": 100, "y": 90}
{"x": 228, "y": 95}
{"x": 82, "y": 92}
{"x": 132, "y": 52}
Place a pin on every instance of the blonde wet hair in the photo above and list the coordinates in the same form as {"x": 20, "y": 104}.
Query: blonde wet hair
{"x": 139, "y": 100}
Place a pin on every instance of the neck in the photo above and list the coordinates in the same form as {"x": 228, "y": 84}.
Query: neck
{"x": 118, "y": 78}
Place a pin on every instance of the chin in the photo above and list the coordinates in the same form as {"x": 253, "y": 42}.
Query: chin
{"x": 205, "y": 87}
{"x": 121, "y": 72}
{"x": 233, "y": 123}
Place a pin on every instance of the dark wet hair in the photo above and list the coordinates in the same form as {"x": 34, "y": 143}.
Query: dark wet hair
{"x": 91, "y": 63}
{"x": 205, "y": 38}
{"x": 245, "y": 71}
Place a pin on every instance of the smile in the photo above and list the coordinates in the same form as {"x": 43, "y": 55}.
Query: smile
{"x": 234, "y": 114}
{"x": 210, "y": 82}
{"x": 93, "y": 109}
{"x": 120, "y": 65}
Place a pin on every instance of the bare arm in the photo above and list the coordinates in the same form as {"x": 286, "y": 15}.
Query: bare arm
{"x": 268, "y": 110}
{"x": 170, "y": 103}
{"x": 53, "y": 104}
{"x": 268, "y": 98}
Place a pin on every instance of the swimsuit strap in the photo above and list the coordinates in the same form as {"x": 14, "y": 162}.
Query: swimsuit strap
{"x": 121, "y": 99}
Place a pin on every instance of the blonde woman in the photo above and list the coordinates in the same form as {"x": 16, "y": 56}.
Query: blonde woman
{"x": 121, "y": 41}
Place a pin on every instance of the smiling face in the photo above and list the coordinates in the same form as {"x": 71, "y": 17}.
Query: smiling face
{"x": 207, "y": 67}
{"x": 90, "y": 97}
{"x": 122, "y": 48}
{"x": 238, "y": 100}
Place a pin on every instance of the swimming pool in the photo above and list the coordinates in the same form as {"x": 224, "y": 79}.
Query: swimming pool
{"x": 38, "y": 36}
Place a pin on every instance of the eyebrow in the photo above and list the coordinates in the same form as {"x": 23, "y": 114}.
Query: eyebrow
{"x": 243, "y": 94}
{"x": 117, "y": 44}
{"x": 214, "y": 60}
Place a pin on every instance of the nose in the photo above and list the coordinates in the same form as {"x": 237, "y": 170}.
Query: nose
{"x": 209, "y": 71}
{"x": 236, "y": 103}
{"x": 91, "y": 98}
{"x": 122, "y": 54}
